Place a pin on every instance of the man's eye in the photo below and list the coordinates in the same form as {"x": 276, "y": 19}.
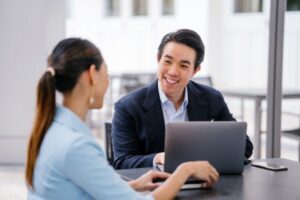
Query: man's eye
{"x": 184, "y": 66}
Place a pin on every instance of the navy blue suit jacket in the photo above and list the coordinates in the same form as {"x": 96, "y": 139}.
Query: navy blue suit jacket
{"x": 138, "y": 130}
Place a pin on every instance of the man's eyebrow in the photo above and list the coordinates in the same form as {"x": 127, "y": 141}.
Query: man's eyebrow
{"x": 185, "y": 62}
{"x": 168, "y": 56}
{"x": 182, "y": 61}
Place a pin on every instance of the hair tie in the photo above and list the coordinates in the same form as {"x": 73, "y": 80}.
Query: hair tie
{"x": 51, "y": 71}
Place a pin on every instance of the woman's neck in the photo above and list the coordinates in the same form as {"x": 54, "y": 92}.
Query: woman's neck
{"x": 77, "y": 106}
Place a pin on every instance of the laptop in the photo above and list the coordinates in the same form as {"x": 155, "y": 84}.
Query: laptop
{"x": 220, "y": 143}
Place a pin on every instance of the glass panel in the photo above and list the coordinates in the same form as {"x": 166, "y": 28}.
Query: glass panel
{"x": 293, "y": 5}
{"x": 238, "y": 63}
{"x": 112, "y": 7}
{"x": 290, "y": 120}
{"x": 241, "y": 6}
{"x": 168, "y": 7}
{"x": 139, "y": 7}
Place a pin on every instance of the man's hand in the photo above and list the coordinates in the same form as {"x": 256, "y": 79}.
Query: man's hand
{"x": 159, "y": 158}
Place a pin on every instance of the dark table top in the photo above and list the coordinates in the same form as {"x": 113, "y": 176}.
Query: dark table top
{"x": 254, "y": 183}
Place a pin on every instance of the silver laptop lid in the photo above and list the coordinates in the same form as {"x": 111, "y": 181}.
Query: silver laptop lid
{"x": 220, "y": 143}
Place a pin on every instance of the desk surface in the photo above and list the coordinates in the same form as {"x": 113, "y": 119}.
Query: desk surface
{"x": 255, "y": 183}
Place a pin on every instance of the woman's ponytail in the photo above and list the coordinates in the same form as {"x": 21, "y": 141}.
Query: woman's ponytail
{"x": 45, "y": 110}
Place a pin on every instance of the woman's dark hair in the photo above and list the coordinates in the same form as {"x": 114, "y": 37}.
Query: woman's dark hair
{"x": 69, "y": 59}
{"x": 187, "y": 37}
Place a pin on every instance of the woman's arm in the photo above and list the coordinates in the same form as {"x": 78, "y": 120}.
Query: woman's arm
{"x": 199, "y": 169}
{"x": 168, "y": 190}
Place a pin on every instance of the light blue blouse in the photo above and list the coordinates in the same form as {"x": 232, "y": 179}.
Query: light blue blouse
{"x": 71, "y": 165}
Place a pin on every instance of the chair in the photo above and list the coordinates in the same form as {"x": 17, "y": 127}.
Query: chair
{"x": 108, "y": 143}
{"x": 130, "y": 82}
{"x": 122, "y": 84}
{"x": 293, "y": 133}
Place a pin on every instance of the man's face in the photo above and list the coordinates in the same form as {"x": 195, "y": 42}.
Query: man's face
{"x": 176, "y": 68}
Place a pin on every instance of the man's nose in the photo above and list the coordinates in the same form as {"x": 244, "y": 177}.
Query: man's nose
{"x": 173, "y": 70}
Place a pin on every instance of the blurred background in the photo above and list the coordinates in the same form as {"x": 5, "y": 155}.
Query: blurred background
{"x": 128, "y": 32}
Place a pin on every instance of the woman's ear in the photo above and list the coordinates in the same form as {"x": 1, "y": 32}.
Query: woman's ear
{"x": 92, "y": 74}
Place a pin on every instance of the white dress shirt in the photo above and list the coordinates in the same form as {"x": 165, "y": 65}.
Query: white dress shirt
{"x": 169, "y": 111}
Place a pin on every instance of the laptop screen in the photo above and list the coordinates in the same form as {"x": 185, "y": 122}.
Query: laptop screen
{"x": 220, "y": 143}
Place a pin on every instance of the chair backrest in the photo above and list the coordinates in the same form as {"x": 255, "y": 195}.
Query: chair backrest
{"x": 130, "y": 82}
{"x": 108, "y": 143}
{"x": 205, "y": 80}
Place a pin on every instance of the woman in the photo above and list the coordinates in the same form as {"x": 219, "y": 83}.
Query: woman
{"x": 64, "y": 161}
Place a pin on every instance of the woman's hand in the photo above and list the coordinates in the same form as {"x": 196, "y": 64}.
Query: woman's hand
{"x": 199, "y": 169}
{"x": 145, "y": 182}
{"x": 202, "y": 170}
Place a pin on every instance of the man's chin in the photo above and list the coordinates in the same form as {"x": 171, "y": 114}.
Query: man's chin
{"x": 170, "y": 91}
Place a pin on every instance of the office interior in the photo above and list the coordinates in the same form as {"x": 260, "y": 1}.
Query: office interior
{"x": 238, "y": 40}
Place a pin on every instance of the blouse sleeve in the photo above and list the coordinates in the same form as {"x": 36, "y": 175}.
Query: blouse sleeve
{"x": 86, "y": 166}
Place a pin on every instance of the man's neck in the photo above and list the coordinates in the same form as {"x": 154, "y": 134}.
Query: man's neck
{"x": 176, "y": 100}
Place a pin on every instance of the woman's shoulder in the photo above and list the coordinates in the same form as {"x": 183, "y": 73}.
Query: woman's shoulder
{"x": 60, "y": 141}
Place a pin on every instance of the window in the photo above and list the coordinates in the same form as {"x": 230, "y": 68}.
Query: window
{"x": 244, "y": 6}
{"x": 139, "y": 7}
{"x": 112, "y": 7}
{"x": 167, "y": 7}
{"x": 293, "y": 5}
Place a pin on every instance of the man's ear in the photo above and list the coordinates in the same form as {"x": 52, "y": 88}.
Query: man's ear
{"x": 92, "y": 74}
{"x": 196, "y": 70}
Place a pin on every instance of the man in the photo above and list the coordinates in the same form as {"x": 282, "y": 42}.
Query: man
{"x": 138, "y": 131}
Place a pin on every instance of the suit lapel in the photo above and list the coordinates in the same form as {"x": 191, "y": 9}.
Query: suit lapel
{"x": 197, "y": 107}
{"x": 153, "y": 118}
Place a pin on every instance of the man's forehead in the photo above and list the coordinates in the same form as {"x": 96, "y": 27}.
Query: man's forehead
{"x": 181, "y": 54}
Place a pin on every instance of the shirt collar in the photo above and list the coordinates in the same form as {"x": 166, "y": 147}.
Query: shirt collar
{"x": 164, "y": 99}
{"x": 66, "y": 117}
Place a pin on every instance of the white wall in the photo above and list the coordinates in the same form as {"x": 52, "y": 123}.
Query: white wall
{"x": 238, "y": 46}
{"x": 130, "y": 43}
{"x": 29, "y": 30}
